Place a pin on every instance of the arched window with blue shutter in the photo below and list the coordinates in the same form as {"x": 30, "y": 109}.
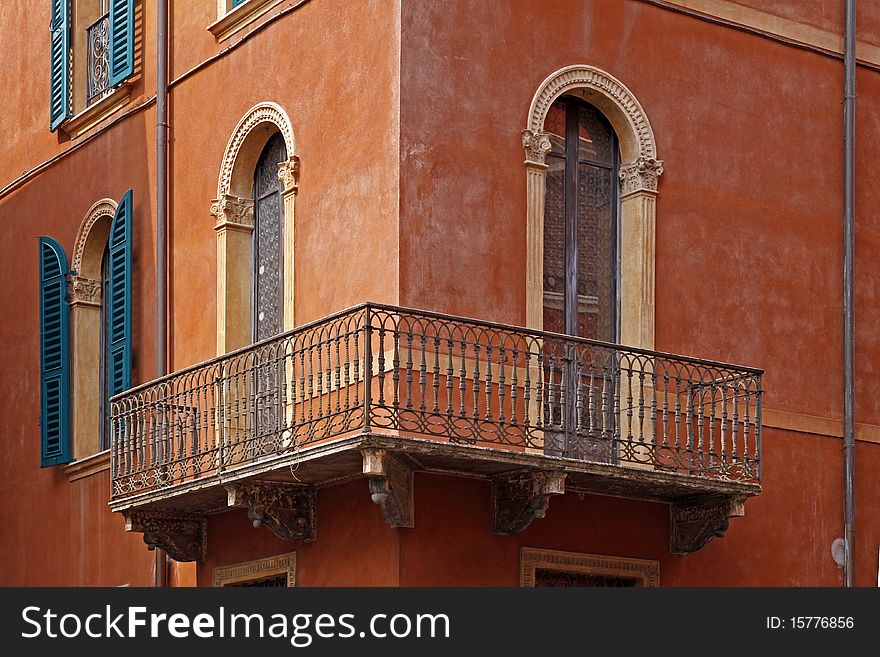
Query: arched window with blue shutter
{"x": 119, "y": 322}
{"x": 59, "y": 75}
{"x": 54, "y": 356}
{"x": 120, "y": 42}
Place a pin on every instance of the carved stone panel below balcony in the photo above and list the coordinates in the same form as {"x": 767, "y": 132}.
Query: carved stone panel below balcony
{"x": 182, "y": 535}
{"x": 520, "y": 497}
{"x": 391, "y": 486}
{"x": 694, "y": 524}
{"x": 288, "y": 510}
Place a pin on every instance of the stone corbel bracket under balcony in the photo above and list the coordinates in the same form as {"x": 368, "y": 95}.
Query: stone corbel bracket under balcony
{"x": 523, "y": 485}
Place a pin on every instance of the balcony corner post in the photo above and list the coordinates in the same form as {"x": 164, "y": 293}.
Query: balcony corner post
{"x": 222, "y": 396}
{"x": 368, "y": 367}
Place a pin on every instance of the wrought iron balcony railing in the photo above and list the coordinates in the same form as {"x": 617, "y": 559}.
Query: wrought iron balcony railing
{"x": 97, "y": 61}
{"x": 386, "y": 370}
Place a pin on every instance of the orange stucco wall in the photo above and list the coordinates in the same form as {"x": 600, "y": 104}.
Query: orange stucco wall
{"x": 749, "y": 237}
{"x": 341, "y": 97}
{"x": 407, "y": 119}
{"x": 56, "y": 532}
{"x": 783, "y": 540}
{"x": 354, "y": 546}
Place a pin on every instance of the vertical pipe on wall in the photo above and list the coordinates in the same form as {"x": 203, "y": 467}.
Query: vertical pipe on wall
{"x": 849, "y": 121}
{"x": 161, "y": 208}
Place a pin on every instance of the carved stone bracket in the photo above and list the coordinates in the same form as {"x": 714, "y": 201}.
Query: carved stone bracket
{"x": 520, "y": 497}
{"x": 182, "y": 535}
{"x": 233, "y": 212}
{"x": 536, "y": 145}
{"x": 391, "y": 486}
{"x": 694, "y": 524}
{"x": 84, "y": 291}
{"x": 289, "y": 511}
{"x": 288, "y": 174}
{"x": 640, "y": 176}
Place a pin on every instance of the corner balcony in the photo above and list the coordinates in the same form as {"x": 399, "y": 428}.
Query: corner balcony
{"x": 381, "y": 392}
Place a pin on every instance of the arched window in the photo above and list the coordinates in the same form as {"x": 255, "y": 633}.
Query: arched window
{"x": 254, "y": 213}
{"x": 627, "y": 313}
{"x": 268, "y": 297}
{"x": 580, "y": 268}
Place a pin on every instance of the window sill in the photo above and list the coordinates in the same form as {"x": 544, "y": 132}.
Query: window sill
{"x": 94, "y": 114}
{"x": 240, "y": 17}
{"x": 87, "y": 466}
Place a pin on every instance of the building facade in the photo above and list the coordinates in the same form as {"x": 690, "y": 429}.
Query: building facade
{"x": 453, "y": 291}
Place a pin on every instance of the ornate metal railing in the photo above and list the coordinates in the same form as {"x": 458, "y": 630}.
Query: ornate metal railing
{"x": 97, "y": 61}
{"x": 377, "y": 368}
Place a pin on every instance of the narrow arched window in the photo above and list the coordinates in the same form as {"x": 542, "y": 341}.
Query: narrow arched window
{"x": 581, "y": 223}
{"x": 268, "y": 296}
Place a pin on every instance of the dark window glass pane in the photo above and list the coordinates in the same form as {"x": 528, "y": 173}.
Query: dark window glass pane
{"x": 278, "y": 581}
{"x": 595, "y": 140}
{"x": 559, "y": 578}
{"x": 594, "y": 270}
{"x": 555, "y": 125}
{"x": 596, "y": 248}
{"x": 268, "y": 241}
{"x": 554, "y": 244}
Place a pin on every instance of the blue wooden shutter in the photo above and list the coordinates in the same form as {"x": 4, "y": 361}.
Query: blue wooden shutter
{"x": 121, "y": 40}
{"x": 54, "y": 356}
{"x": 59, "y": 76}
{"x": 235, "y": 3}
{"x": 119, "y": 301}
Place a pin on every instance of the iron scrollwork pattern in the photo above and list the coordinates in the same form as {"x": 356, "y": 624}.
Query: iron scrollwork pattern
{"x": 427, "y": 375}
{"x": 97, "y": 59}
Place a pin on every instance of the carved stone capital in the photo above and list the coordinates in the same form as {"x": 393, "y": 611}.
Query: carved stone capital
{"x": 391, "y": 486}
{"x": 640, "y": 176}
{"x": 182, "y": 535}
{"x": 288, "y": 510}
{"x": 82, "y": 290}
{"x": 288, "y": 174}
{"x": 536, "y": 146}
{"x": 520, "y": 497}
{"x": 694, "y": 524}
{"x": 233, "y": 211}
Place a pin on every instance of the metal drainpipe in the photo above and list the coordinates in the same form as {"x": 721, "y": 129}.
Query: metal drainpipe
{"x": 849, "y": 446}
{"x": 161, "y": 208}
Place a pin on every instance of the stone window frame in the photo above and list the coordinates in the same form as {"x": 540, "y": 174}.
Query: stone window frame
{"x": 639, "y": 172}
{"x": 231, "y": 20}
{"x": 250, "y": 571}
{"x": 85, "y": 117}
{"x": 645, "y": 571}
{"x": 84, "y": 298}
{"x": 233, "y": 212}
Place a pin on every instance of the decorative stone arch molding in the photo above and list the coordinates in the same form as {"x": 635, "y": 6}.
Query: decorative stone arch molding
{"x": 639, "y": 174}
{"x": 84, "y": 296}
{"x": 233, "y": 212}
